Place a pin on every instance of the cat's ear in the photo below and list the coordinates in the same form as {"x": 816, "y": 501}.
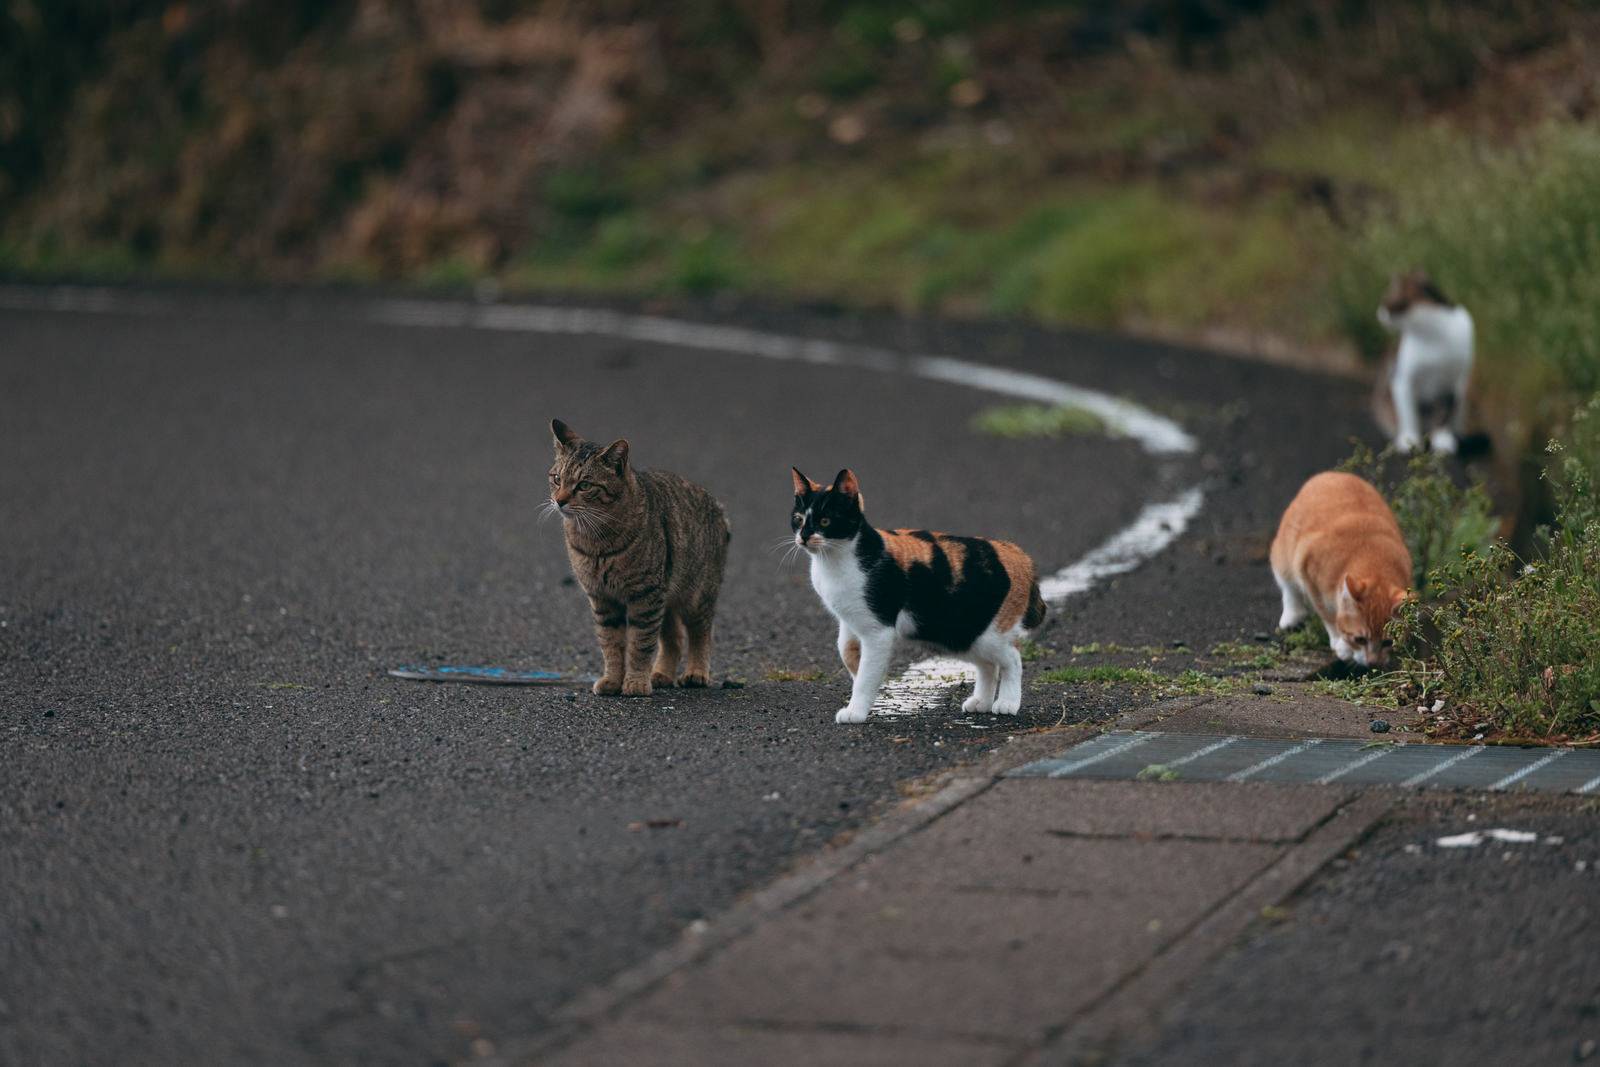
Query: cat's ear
{"x": 1352, "y": 590}
{"x": 1344, "y": 599}
{"x": 566, "y": 437}
{"x": 803, "y": 486}
{"x": 845, "y": 485}
{"x": 616, "y": 454}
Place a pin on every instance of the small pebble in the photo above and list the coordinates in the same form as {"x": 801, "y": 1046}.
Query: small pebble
{"x": 1380, "y": 726}
{"x": 1261, "y": 690}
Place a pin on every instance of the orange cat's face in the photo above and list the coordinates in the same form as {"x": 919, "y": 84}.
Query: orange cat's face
{"x": 1362, "y": 620}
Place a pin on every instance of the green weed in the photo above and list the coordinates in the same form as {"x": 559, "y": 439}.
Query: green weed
{"x": 782, "y": 674}
{"x": 1103, "y": 674}
{"x": 1111, "y": 648}
{"x": 1032, "y": 650}
{"x": 1037, "y": 420}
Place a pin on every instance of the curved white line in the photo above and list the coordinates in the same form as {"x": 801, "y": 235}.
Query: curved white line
{"x": 1157, "y": 526}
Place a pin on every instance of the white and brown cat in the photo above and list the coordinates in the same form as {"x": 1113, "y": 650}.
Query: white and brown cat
{"x": 1339, "y": 552}
{"x": 969, "y": 596}
{"x": 1424, "y": 389}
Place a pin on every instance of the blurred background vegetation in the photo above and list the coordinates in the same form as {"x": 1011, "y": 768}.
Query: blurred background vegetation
{"x": 1244, "y": 173}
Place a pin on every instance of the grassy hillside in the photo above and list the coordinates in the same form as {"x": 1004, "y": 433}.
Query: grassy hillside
{"x": 1245, "y": 172}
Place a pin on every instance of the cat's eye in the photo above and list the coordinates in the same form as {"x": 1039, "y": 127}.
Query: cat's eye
{"x": 824, "y": 522}
{"x": 1361, "y": 640}
{"x": 584, "y": 487}
{"x": 798, "y": 517}
{"x": 1388, "y": 642}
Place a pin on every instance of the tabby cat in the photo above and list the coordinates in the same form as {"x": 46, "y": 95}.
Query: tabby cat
{"x": 648, "y": 547}
{"x": 968, "y": 596}
{"x": 1340, "y": 552}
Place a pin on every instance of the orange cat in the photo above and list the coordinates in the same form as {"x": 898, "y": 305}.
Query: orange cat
{"x": 1339, "y": 551}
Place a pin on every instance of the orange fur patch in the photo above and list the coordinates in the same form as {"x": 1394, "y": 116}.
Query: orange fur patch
{"x": 1019, "y": 565}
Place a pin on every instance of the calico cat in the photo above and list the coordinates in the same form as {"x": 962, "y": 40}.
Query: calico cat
{"x": 969, "y": 596}
{"x": 1424, "y": 390}
{"x": 1340, "y": 552}
{"x": 648, "y": 547}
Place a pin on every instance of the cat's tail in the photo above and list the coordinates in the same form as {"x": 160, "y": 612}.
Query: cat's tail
{"x": 1036, "y": 608}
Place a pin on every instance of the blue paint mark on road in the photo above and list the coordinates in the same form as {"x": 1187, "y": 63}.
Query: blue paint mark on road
{"x": 490, "y": 676}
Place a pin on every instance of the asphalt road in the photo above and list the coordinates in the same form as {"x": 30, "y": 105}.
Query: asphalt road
{"x": 227, "y": 836}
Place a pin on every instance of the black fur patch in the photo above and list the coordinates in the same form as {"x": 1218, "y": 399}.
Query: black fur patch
{"x": 950, "y": 610}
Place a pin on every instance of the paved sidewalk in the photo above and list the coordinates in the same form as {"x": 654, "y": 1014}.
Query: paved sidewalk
{"x": 1001, "y": 921}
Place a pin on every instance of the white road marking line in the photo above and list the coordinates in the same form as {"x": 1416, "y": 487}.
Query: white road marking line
{"x": 1114, "y": 750}
{"x": 1418, "y": 779}
{"x": 1157, "y": 526}
{"x": 914, "y": 691}
{"x": 1590, "y": 786}
{"x": 1198, "y": 753}
{"x": 1355, "y": 764}
{"x": 1517, "y": 776}
{"x": 1239, "y": 776}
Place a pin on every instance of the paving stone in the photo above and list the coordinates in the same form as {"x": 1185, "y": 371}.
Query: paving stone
{"x": 969, "y": 963}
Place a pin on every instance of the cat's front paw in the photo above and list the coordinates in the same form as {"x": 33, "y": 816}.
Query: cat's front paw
{"x": 975, "y": 703}
{"x": 636, "y": 687}
{"x": 1290, "y": 619}
{"x": 694, "y": 679}
{"x": 1442, "y": 440}
{"x": 607, "y": 687}
{"x": 1007, "y": 705}
{"x": 660, "y": 681}
{"x": 850, "y": 714}
{"x": 1407, "y": 442}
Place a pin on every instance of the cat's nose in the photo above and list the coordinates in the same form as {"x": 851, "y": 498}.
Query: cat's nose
{"x": 561, "y": 496}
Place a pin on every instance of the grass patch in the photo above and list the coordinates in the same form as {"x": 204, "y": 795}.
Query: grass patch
{"x": 1514, "y": 235}
{"x": 780, "y": 674}
{"x": 1037, "y": 420}
{"x": 1189, "y": 683}
{"x": 1111, "y": 648}
{"x": 1248, "y": 654}
{"x": 1032, "y": 650}
{"x": 1309, "y": 636}
{"x": 1102, "y": 674}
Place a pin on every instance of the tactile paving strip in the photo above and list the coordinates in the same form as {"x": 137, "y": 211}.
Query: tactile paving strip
{"x": 1128, "y": 754}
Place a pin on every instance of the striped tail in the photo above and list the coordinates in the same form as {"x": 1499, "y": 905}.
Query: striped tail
{"x": 1036, "y": 608}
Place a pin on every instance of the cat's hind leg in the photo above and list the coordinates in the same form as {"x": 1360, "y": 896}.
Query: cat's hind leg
{"x": 697, "y": 666}
{"x": 668, "y": 651}
{"x": 1008, "y": 701}
{"x": 983, "y": 690}
{"x": 1294, "y": 604}
{"x": 876, "y": 651}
